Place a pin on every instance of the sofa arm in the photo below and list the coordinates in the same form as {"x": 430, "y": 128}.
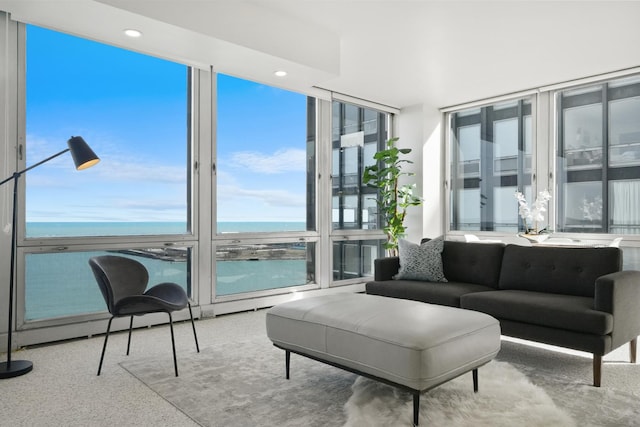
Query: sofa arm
{"x": 619, "y": 294}
{"x": 386, "y": 268}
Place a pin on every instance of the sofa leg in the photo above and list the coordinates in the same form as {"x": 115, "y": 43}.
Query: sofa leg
{"x": 597, "y": 370}
{"x": 633, "y": 345}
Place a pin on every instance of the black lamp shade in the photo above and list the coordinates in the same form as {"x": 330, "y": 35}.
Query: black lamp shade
{"x": 83, "y": 155}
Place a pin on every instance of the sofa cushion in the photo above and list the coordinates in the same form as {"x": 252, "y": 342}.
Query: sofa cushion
{"x": 559, "y": 270}
{"x": 421, "y": 262}
{"x": 434, "y": 293}
{"x": 574, "y": 313}
{"x": 472, "y": 262}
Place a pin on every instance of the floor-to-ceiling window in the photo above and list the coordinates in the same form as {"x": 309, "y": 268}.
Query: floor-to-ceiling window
{"x": 265, "y": 188}
{"x": 580, "y": 141}
{"x": 133, "y": 110}
{"x": 598, "y": 158}
{"x": 491, "y": 159}
{"x": 357, "y": 133}
{"x": 269, "y": 214}
{"x": 260, "y": 217}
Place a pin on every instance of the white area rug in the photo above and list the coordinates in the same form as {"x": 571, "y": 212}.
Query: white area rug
{"x": 243, "y": 384}
{"x": 505, "y": 398}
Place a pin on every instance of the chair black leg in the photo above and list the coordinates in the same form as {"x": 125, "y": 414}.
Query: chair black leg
{"x": 129, "y": 340}
{"x": 193, "y": 325}
{"x": 104, "y": 346}
{"x": 173, "y": 344}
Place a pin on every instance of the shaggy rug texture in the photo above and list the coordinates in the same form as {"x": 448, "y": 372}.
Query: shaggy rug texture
{"x": 243, "y": 384}
{"x": 505, "y": 398}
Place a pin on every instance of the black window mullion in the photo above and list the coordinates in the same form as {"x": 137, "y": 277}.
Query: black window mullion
{"x": 562, "y": 176}
{"x": 383, "y": 136}
{"x": 341, "y": 168}
{"x": 487, "y": 156}
{"x": 519, "y": 184}
{"x": 605, "y": 160}
{"x": 453, "y": 179}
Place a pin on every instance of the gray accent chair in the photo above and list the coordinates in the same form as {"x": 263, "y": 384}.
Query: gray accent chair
{"x": 123, "y": 282}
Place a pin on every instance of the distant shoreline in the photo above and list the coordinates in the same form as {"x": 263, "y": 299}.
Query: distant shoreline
{"x": 38, "y": 229}
{"x": 227, "y": 253}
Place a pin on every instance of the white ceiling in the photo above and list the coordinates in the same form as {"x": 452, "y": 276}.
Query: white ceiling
{"x": 394, "y": 52}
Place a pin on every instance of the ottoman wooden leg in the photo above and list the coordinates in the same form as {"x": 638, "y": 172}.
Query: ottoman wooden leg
{"x": 475, "y": 380}
{"x": 416, "y": 407}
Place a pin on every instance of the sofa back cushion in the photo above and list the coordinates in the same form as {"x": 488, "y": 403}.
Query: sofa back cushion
{"x": 477, "y": 263}
{"x": 558, "y": 270}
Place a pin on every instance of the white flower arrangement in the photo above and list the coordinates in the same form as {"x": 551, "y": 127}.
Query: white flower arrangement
{"x": 535, "y": 214}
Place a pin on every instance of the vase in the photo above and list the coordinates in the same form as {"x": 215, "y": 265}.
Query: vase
{"x": 534, "y": 238}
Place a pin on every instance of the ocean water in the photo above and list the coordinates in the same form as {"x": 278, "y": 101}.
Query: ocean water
{"x": 79, "y": 229}
{"x": 61, "y": 283}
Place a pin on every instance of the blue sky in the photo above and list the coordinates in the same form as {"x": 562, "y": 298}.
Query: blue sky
{"x": 132, "y": 110}
{"x": 261, "y": 152}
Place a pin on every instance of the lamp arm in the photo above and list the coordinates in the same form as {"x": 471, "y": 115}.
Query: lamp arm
{"x": 83, "y": 157}
{"x": 17, "y": 174}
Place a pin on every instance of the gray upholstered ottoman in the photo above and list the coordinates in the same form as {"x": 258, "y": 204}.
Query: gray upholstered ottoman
{"x": 408, "y": 344}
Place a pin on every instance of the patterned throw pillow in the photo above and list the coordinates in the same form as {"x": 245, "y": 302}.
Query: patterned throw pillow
{"x": 421, "y": 262}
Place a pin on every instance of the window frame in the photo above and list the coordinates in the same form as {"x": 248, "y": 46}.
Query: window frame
{"x": 201, "y": 238}
{"x": 526, "y": 106}
{"x": 343, "y": 237}
{"x": 545, "y": 142}
{"x": 69, "y": 244}
{"x": 605, "y": 174}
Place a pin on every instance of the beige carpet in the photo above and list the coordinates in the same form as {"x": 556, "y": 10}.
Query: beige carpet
{"x": 243, "y": 385}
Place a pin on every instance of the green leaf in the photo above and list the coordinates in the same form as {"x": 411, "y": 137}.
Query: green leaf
{"x": 392, "y": 199}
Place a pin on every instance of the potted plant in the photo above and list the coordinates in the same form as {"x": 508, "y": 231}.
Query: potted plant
{"x": 393, "y": 199}
{"x": 532, "y": 216}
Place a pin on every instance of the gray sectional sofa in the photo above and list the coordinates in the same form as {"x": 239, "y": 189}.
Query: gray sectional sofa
{"x": 577, "y": 298}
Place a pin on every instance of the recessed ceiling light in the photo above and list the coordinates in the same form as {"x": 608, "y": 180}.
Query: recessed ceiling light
{"x": 133, "y": 33}
{"x": 280, "y": 73}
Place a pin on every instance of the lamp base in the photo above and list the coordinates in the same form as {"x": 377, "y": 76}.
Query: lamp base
{"x": 15, "y": 369}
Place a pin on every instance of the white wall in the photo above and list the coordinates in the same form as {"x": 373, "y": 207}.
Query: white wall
{"x": 419, "y": 128}
{"x": 433, "y": 173}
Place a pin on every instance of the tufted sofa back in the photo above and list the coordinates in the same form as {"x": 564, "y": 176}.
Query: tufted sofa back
{"x": 559, "y": 270}
{"x": 472, "y": 262}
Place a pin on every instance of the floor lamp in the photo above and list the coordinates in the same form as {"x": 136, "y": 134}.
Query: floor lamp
{"x": 84, "y": 158}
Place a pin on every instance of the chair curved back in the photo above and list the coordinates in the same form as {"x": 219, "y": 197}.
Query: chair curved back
{"x": 118, "y": 277}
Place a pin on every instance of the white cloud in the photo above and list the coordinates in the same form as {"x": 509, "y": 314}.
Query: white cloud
{"x": 114, "y": 169}
{"x": 277, "y": 198}
{"x": 152, "y": 204}
{"x": 286, "y": 160}
{"x": 114, "y": 164}
{"x": 38, "y": 149}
